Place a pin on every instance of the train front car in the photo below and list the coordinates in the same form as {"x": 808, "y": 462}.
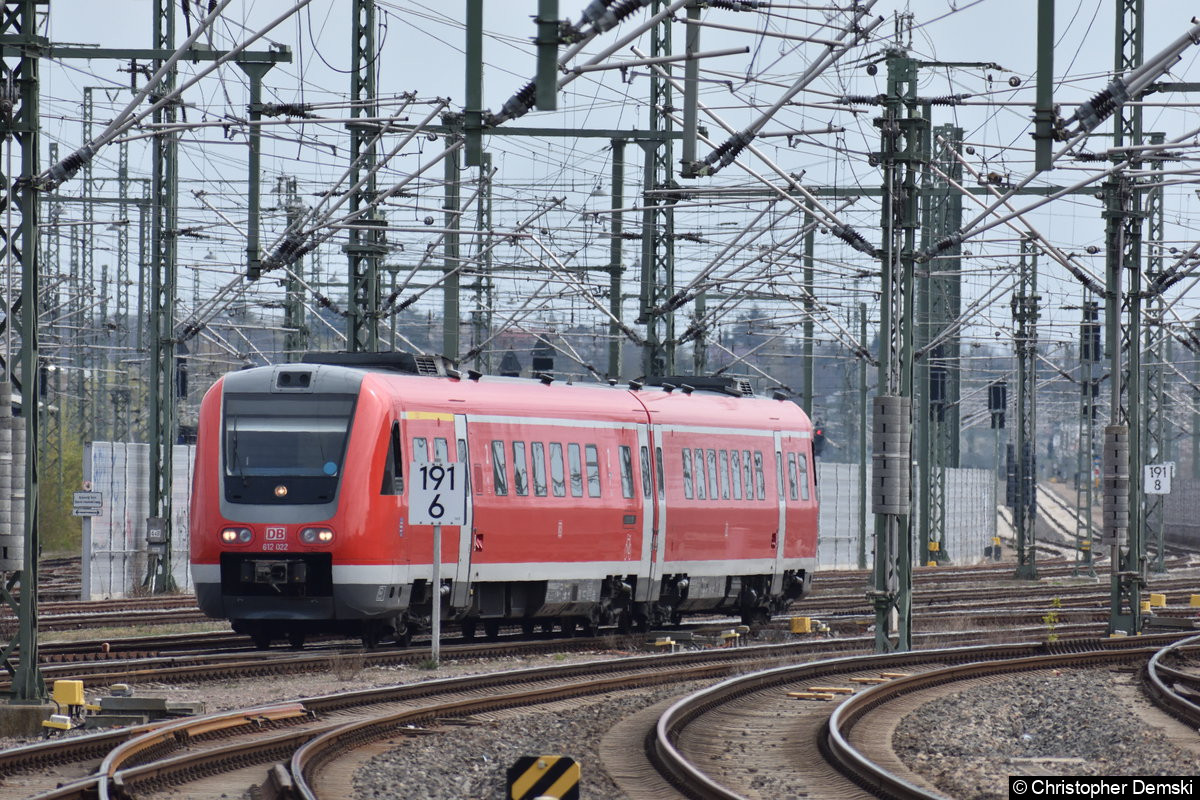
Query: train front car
{"x": 279, "y": 536}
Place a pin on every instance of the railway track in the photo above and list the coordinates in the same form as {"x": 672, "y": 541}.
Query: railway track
{"x": 137, "y": 667}
{"x": 208, "y": 660}
{"x": 288, "y": 749}
{"x": 1173, "y": 680}
{"x": 139, "y": 759}
{"x": 1038, "y": 609}
{"x": 838, "y": 750}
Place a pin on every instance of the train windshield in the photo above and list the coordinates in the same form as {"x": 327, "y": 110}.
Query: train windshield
{"x": 299, "y": 439}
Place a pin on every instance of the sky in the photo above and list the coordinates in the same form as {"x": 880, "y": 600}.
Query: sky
{"x": 980, "y": 49}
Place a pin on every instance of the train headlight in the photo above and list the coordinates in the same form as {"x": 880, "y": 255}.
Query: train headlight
{"x": 236, "y": 535}
{"x": 316, "y": 535}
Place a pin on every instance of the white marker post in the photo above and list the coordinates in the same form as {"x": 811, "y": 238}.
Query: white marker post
{"x": 437, "y": 497}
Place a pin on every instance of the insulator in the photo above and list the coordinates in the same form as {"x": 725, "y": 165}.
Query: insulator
{"x": 66, "y": 168}
{"x": 1092, "y": 112}
{"x": 717, "y": 154}
{"x": 622, "y": 9}
{"x": 739, "y": 142}
{"x": 517, "y": 105}
{"x": 852, "y": 238}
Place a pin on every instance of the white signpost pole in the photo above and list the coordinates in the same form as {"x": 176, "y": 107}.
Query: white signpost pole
{"x": 437, "y": 496}
{"x": 435, "y": 652}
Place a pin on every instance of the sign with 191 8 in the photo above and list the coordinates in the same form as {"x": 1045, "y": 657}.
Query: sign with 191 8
{"x": 1156, "y": 478}
{"x": 437, "y": 493}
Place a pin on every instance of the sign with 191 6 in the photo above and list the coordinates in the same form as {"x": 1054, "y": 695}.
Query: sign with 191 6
{"x": 437, "y": 493}
{"x": 1156, "y": 478}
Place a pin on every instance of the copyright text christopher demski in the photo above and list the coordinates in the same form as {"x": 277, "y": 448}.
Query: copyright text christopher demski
{"x": 1021, "y": 788}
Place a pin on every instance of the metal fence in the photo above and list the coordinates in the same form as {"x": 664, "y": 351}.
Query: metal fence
{"x": 1181, "y": 511}
{"x": 114, "y": 542}
{"x": 970, "y": 515}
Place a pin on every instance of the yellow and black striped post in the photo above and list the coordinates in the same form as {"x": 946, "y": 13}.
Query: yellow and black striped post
{"x": 535, "y": 777}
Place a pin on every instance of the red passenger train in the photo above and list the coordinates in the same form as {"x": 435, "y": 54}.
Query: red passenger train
{"x": 586, "y": 504}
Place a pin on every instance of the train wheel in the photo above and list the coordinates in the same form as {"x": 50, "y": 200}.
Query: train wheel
{"x": 588, "y": 627}
{"x": 491, "y": 629}
{"x": 296, "y": 639}
{"x": 527, "y": 627}
{"x": 624, "y": 622}
{"x": 261, "y": 638}
{"x": 468, "y": 630}
{"x": 404, "y": 634}
{"x": 756, "y": 617}
{"x": 372, "y": 633}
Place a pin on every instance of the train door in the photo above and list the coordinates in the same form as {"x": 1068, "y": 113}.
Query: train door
{"x": 440, "y": 436}
{"x": 781, "y": 532}
{"x": 654, "y": 514}
{"x": 460, "y": 593}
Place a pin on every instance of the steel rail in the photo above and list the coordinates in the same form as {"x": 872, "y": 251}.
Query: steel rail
{"x": 1163, "y": 683}
{"x": 690, "y": 779}
{"x": 871, "y": 776}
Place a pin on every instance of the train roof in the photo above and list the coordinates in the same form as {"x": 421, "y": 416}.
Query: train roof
{"x": 432, "y": 383}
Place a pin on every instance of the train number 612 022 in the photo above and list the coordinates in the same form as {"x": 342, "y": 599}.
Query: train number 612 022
{"x": 437, "y": 494}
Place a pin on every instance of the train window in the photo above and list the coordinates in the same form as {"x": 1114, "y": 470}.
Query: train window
{"x": 626, "y": 471}
{"x": 393, "y": 465}
{"x": 293, "y": 436}
{"x": 792, "y": 488}
{"x": 556, "y": 470}
{"x": 576, "y": 463}
{"x": 499, "y": 468}
{"x": 645, "y": 471}
{"x": 520, "y": 470}
{"x": 735, "y": 472}
{"x": 662, "y": 490}
{"x": 748, "y": 474}
{"x": 441, "y": 450}
{"x": 712, "y": 474}
{"x": 759, "y": 479}
{"x": 803, "y": 476}
{"x": 687, "y": 473}
{"x": 724, "y": 455}
{"x": 539, "y": 468}
{"x": 592, "y": 457}
{"x": 462, "y": 459}
{"x": 779, "y": 474}
{"x": 420, "y": 449}
{"x": 698, "y": 462}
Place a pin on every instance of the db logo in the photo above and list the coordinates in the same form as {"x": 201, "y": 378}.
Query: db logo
{"x": 276, "y": 533}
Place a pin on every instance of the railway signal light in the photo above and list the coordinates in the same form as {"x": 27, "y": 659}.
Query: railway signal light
{"x": 998, "y": 402}
{"x": 818, "y": 441}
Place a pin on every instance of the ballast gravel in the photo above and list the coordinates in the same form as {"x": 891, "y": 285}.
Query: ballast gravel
{"x": 472, "y": 763}
{"x": 1077, "y": 722}
{"x": 1084, "y": 722}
